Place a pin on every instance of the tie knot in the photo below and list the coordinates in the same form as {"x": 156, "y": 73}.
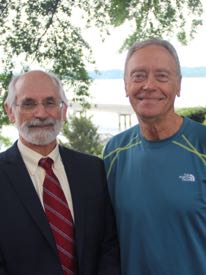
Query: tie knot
{"x": 46, "y": 163}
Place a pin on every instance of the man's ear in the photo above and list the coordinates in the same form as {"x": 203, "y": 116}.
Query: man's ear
{"x": 64, "y": 112}
{"x": 179, "y": 88}
{"x": 126, "y": 87}
{"x": 9, "y": 112}
{"x": 178, "y": 91}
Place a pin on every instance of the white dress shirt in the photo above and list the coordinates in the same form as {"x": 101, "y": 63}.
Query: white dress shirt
{"x": 31, "y": 159}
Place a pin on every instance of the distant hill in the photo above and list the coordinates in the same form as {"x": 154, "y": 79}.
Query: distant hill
{"x": 194, "y": 72}
{"x": 118, "y": 74}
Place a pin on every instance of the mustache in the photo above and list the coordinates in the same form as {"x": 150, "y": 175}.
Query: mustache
{"x": 40, "y": 122}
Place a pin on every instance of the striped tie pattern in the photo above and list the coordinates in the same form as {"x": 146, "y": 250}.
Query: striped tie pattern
{"x": 59, "y": 217}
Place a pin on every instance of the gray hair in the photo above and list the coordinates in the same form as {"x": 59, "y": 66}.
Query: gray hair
{"x": 154, "y": 41}
{"x": 11, "y": 97}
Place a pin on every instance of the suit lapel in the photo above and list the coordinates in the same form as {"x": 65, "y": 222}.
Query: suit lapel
{"x": 20, "y": 180}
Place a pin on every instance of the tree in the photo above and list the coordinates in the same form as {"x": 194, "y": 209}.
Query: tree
{"x": 4, "y": 142}
{"x": 44, "y": 33}
{"x": 4, "y": 82}
{"x": 160, "y": 18}
{"x": 82, "y": 135}
{"x": 195, "y": 113}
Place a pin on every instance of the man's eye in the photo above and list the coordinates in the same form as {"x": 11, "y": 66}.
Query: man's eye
{"x": 138, "y": 76}
{"x": 162, "y": 77}
{"x": 49, "y": 103}
{"x": 28, "y": 104}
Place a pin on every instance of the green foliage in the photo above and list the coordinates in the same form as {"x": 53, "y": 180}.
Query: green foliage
{"x": 195, "y": 113}
{"x": 82, "y": 135}
{"x": 4, "y": 142}
{"x": 4, "y": 82}
{"x": 162, "y": 18}
{"x": 44, "y": 33}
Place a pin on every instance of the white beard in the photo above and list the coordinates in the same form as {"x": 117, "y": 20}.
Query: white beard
{"x": 39, "y": 136}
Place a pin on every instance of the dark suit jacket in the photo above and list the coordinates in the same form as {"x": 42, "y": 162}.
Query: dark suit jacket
{"x": 27, "y": 246}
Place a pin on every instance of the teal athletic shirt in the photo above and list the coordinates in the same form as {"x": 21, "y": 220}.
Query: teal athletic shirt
{"x": 158, "y": 190}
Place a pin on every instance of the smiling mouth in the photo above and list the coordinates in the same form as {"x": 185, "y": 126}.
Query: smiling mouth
{"x": 149, "y": 99}
{"x": 41, "y": 126}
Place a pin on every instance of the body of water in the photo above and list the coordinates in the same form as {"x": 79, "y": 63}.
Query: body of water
{"x": 111, "y": 92}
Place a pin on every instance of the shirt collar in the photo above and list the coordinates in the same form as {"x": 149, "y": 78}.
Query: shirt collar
{"x": 31, "y": 157}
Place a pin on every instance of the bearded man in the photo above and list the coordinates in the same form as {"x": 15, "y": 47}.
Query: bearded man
{"x": 54, "y": 205}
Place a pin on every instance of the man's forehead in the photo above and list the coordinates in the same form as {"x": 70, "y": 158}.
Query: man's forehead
{"x": 150, "y": 56}
{"x": 36, "y": 79}
{"x": 34, "y": 84}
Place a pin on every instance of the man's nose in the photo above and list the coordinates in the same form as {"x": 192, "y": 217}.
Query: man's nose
{"x": 40, "y": 111}
{"x": 150, "y": 83}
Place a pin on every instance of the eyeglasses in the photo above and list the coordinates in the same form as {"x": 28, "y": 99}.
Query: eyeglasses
{"x": 49, "y": 105}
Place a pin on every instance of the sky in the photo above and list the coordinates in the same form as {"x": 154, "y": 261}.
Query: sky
{"x": 107, "y": 56}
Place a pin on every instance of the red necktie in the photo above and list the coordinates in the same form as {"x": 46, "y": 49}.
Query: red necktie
{"x": 59, "y": 217}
